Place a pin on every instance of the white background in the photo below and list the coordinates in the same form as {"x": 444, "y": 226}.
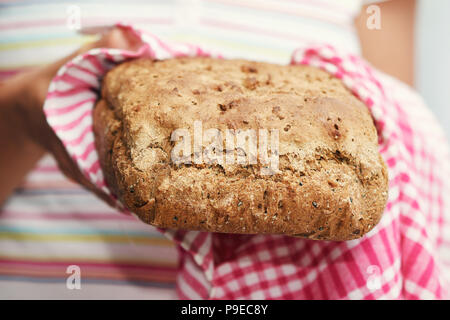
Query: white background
{"x": 432, "y": 73}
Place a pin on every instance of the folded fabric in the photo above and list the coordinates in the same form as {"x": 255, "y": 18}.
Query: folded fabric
{"x": 400, "y": 258}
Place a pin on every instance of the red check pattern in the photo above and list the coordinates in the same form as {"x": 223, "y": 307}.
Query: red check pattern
{"x": 406, "y": 256}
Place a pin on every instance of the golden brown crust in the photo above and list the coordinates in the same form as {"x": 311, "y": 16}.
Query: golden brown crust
{"x": 332, "y": 183}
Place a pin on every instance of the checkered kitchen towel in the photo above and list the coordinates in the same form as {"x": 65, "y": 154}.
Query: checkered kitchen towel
{"x": 404, "y": 257}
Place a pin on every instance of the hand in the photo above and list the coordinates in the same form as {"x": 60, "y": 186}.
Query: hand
{"x": 22, "y": 116}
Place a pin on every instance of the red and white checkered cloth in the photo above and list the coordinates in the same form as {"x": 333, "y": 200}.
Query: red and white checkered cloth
{"x": 404, "y": 257}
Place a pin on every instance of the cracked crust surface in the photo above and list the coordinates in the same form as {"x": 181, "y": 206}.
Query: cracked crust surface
{"x": 332, "y": 182}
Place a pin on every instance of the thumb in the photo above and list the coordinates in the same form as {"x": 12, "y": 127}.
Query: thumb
{"x": 116, "y": 37}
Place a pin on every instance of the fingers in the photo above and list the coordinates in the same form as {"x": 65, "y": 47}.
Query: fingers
{"x": 111, "y": 37}
{"x": 120, "y": 38}
{"x": 95, "y": 30}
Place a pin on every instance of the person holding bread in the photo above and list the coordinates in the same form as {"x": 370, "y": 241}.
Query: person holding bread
{"x": 331, "y": 187}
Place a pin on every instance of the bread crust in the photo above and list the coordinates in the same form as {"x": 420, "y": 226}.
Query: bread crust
{"x": 332, "y": 184}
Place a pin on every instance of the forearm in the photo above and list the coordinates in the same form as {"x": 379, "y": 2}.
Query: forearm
{"x": 24, "y": 132}
{"x": 18, "y": 152}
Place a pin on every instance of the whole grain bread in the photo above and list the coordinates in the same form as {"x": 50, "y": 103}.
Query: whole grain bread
{"x": 332, "y": 183}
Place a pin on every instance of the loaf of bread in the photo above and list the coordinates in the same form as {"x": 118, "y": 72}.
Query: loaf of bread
{"x": 330, "y": 183}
